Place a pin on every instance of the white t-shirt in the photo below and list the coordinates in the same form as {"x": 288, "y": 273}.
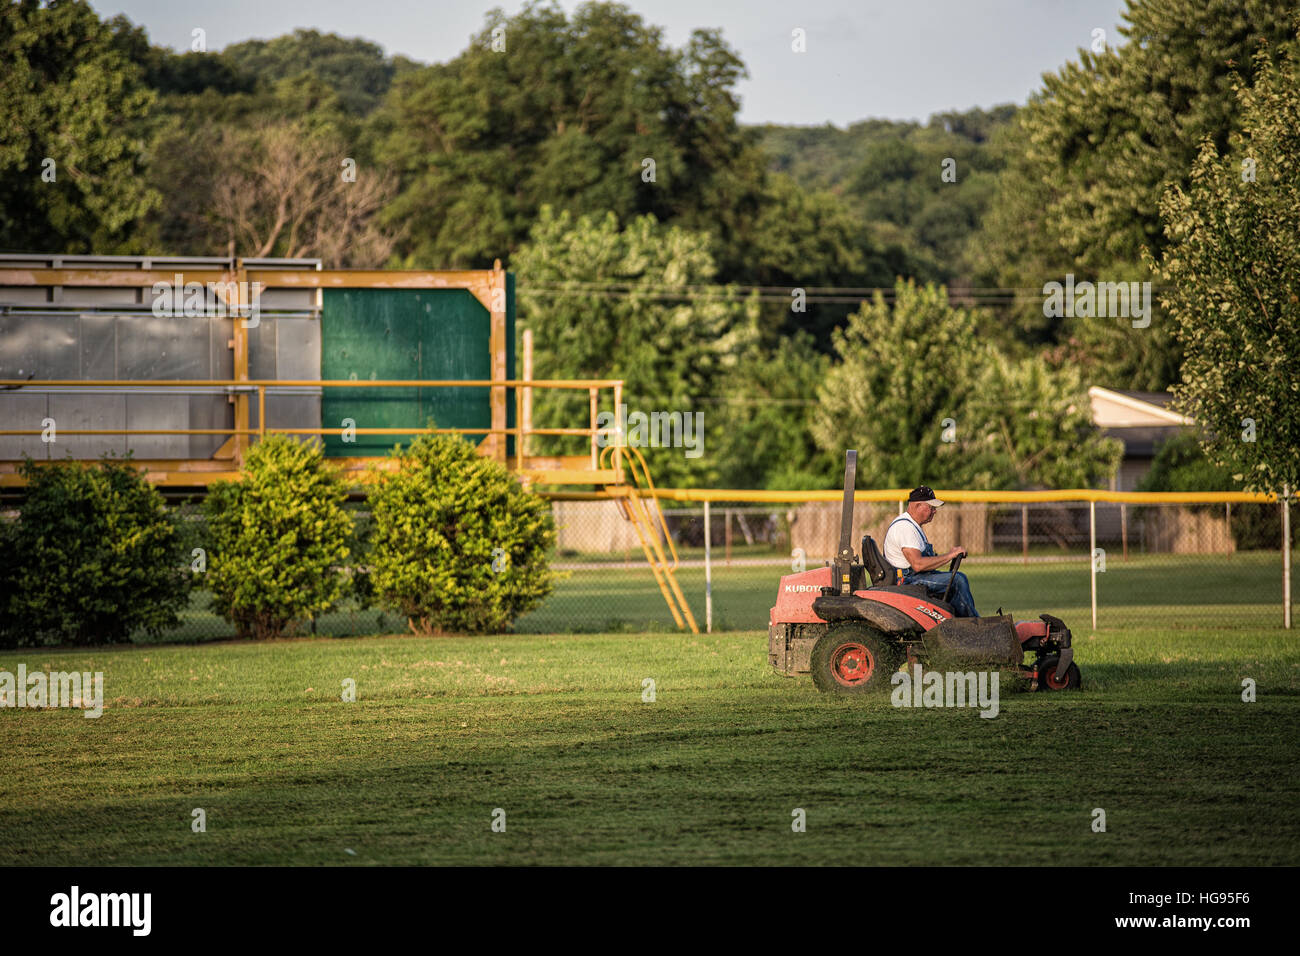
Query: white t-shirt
{"x": 903, "y": 533}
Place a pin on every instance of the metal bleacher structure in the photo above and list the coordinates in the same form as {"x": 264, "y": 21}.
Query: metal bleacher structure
{"x": 185, "y": 362}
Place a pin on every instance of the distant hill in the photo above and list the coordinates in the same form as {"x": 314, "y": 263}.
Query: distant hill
{"x": 890, "y": 176}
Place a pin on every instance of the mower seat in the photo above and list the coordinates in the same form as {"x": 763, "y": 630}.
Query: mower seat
{"x": 881, "y": 571}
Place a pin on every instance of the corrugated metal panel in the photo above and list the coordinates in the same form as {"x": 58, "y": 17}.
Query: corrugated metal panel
{"x": 23, "y": 410}
{"x": 297, "y": 356}
{"x": 44, "y": 345}
{"x": 97, "y": 412}
{"x": 511, "y": 369}
{"x": 208, "y": 412}
{"x": 149, "y": 347}
{"x": 98, "y": 347}
{"x": 111, "y": 333}
{"x": 221, "y": 358}
{"x": 158, "y": 411}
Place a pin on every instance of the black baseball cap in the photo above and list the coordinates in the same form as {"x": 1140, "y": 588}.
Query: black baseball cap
{"x": 925, "y": 495}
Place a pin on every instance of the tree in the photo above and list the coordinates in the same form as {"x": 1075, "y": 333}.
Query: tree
{"x": 285, "y": 191}
{"x": 1029, "y": 425}
{"x": 902, "y": 371}
{"x": 93, "y": 557}
{"x": 458, "y": 544}
{"x": 1181, "y": 464}
{"x": 924, "y": 398}
{"x": 762, "y": 436}
{"x": 1091, "y": 153}
{"x": 886, "y": 179}
{"x": 169, "y": 73}
{"x": 71, "y": 108}
{"x": 355, "y": 69}
{"x": 1231, "y": 269}
{"x": 805, "y": 239}
{"x": 567, "y": 111}
{"x": 278, "y": 538}
{"x": 633, "y": 303}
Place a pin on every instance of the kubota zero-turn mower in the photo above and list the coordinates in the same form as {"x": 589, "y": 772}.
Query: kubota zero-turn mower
{"x": 851, "y": 626}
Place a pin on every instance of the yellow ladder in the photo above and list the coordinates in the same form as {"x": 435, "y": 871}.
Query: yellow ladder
{"x": 639, "y": 503}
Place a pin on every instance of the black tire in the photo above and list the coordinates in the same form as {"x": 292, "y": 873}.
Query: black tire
{"x": 854, "y": 659}
{"x": 1047, "y": 674}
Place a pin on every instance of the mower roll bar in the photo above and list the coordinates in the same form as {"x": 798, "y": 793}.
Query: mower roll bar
{"x": 844, "y": 556}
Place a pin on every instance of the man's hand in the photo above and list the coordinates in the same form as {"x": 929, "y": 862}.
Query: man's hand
{"x": 920, "y": 564}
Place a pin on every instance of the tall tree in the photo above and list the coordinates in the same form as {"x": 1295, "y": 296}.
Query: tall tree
{"x": 1092, "y": 152}
{"x": 356, "y": 69}
{"x": 674, "y": 341}
{"x": 925, "y": 398}
{"x": 1231, "y": 268}
{"x": 588, "y": 113}
{"x": 760, "y": 434}
{"x": 71, "y": 152}
{"x": 272, "y": 155}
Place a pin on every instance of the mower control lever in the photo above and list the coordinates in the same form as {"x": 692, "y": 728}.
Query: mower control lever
{"x": 952, "y": 569}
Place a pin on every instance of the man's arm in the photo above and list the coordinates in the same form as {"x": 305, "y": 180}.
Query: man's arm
{"x": 920, "y": 564}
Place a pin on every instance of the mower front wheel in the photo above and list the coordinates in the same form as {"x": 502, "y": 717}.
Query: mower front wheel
{"x": 854, "y": 659}
{"x": 1047, "y": 679}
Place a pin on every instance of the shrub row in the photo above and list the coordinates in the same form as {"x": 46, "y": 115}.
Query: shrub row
{"x": 454, "y": 544}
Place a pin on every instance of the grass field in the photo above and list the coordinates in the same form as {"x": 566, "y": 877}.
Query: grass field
{"x": 553, "y": 730}
{"x": 1242, "y": 591}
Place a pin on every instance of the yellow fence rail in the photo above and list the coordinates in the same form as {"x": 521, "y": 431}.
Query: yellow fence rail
{"x": 740, "y": 495}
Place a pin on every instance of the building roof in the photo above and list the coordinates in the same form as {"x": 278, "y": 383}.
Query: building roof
{"x": 1159, "y": 399}
{"x": 1119, "y": 409}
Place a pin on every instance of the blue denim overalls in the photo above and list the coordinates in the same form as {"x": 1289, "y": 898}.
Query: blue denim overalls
{"x": 936, "y": 582}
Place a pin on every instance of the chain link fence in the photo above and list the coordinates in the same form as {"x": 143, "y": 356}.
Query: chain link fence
{"x": 1170, "y": 566}
{"x": 1160, "y": 565}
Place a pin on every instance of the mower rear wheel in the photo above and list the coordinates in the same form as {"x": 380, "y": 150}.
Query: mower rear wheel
{"x": 854, "y": 659}
{"x": 1047, "y": 675}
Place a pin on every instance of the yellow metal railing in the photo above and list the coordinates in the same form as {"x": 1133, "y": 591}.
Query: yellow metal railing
{"x": 652, "y": 530}
{"x": 242, "y": 388}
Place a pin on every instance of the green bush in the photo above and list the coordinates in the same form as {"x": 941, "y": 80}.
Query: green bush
{"x": 459, "y": 546}
{"x": 93, "y": 556}
{"x": 278, "y": 537}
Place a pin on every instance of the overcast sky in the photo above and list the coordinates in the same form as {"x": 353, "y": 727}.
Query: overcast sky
{"x": 901, "y": 59}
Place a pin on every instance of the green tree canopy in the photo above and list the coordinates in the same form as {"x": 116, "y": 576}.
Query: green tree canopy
{"x": 1091, "y": 153}
{"x": 925, "y": 399}
{"x": 355, "y": 69}
{"x": 71, "y": 151}
{"x": 673, "y": 342}
{"x": 566, "y": 111}
{"x": 1231, "y": 267}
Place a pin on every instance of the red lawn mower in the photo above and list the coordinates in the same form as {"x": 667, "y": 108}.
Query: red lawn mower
{"x": 852, "y": 626}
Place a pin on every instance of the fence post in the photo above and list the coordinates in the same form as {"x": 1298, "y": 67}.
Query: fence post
{"x": 1286, "y": 557}
{"x": 1092, "y": 557}
{"x": 708, "y": 570}
{"x": 726, "y": 537}
{"x": 1123, "y": 527}
{"x": 1024, "y": 533}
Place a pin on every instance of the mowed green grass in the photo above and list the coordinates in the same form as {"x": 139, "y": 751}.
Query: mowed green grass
{"x": 554, "y": 731}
